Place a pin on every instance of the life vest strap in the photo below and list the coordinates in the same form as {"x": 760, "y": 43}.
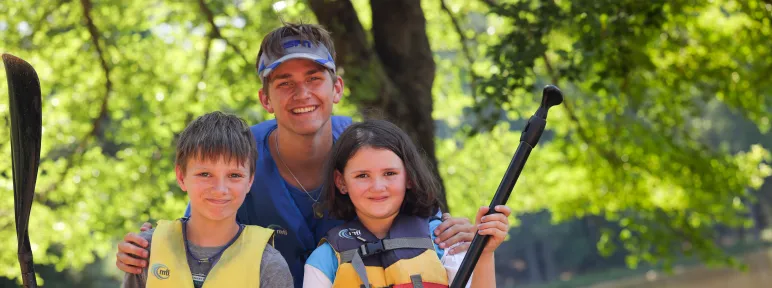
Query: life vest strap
{"x": 380, "y": 246}
{"x": 359, "y": 267}
{"x": 417, "y": 281}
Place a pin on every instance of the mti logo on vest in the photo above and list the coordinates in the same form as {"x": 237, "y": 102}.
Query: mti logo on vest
{"x": 349, "y": 233}
{"x": 279, "y": 230}
{"x": 160, "y": 271}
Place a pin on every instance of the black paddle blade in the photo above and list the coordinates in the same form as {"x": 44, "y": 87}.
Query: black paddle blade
{"x": 26, "y": 134}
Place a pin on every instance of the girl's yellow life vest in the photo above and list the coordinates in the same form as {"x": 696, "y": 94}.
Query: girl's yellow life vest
{"x": 406, "y": 258}
{"x": 239, "y": 264}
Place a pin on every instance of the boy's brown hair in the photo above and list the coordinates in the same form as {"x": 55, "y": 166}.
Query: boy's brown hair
{"x": 216, "y": 135}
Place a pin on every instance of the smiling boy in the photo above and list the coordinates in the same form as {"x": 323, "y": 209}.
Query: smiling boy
{"x": 215, "y": 165}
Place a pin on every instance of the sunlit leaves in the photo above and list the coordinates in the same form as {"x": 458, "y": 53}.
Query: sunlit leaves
{"x": 166, "y": 65}
{"x": 638, "y": 140}
{"x": 640, "y": 80}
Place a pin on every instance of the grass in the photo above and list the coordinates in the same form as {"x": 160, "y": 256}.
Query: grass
{"x": 617, "y": 274}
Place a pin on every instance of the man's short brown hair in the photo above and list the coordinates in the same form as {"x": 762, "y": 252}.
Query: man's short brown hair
{"x": 272, "y": 43}
{"x": 216, "y": 135}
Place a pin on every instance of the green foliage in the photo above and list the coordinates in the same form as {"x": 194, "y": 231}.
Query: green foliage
{"x": 105, "y": 171}
{"x": 630, "y": 142}
{"x": 634, "y": 143}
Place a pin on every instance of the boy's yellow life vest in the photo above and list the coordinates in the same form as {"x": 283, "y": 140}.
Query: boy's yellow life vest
{"x": 405, "y": 258}
{"x": 239, "y": 264}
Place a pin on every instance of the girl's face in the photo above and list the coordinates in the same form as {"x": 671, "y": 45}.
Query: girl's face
{"x": 376, "y": 181}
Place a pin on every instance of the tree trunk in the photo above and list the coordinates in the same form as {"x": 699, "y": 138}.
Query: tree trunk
{"x": 392, "y": 77}
{"x": 532, "y": 262}
{"x": 763, "y": 205}
{"x": 547, "y": 257}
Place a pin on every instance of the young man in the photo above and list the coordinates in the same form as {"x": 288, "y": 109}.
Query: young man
{"x": 296, "y": 65}
{"x": 215, "y": 165}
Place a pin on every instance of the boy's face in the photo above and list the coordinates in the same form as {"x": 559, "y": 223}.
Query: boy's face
{"x": 216, "y": 189}
{"x": 301, "y": 94}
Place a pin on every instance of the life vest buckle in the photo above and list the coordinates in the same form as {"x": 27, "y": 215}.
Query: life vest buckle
{"x": 371, "y": 248}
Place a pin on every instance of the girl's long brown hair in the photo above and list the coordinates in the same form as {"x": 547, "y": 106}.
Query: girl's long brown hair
{"x": 421, "y": 200}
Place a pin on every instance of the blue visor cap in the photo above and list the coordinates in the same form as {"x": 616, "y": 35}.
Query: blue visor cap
{"x": 295, "y": 48}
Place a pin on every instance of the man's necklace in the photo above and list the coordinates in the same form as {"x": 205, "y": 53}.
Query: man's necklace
{"x": 317, "y": 207}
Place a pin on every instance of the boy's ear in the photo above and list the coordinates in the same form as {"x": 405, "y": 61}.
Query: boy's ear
{"x": 264, "y": 100}
{"x": 340, "y": 183}
{"x": 250, "y": 182}
{"x": 180, "y": 177}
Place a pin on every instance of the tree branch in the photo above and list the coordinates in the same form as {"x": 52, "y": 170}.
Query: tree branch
{"x": 103, "y": 111}
{"x": 205, "y": 65}
{"x": 609, "y": 155}
{"x": 204, "y": 62}
{"x": 493, "y": 4}
{"x": 45, "y": 15}
{"x": 215, "y": 31}
{"x": 94, "y": 33}
{"x": 464, "y": 46}
{"x": 553, "y": 76}
{"x": 41, "y": 196}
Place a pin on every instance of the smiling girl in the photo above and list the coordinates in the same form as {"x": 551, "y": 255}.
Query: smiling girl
{"x": 378, "y": 182}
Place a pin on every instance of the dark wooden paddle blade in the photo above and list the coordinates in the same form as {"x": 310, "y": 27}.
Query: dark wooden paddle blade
{"x": 26, "y": 134}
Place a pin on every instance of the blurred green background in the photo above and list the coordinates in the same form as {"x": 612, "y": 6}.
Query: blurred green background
{"x": 653, "y": 172}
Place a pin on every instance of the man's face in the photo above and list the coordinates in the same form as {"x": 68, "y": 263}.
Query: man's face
{"x": 301, "y": 93}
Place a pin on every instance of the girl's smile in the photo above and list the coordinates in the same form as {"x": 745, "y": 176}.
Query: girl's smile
{"x": 376, "y": 181}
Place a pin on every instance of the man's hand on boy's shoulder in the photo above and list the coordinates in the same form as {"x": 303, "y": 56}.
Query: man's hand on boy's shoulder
{"x": 138, "y": 280}
{"x": 134, "y": 250}
{"x": 454, "y": 230}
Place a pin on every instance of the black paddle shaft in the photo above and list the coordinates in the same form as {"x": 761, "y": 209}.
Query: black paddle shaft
{"x": 26, "y": 133}
{"x": 551, "y": 96}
